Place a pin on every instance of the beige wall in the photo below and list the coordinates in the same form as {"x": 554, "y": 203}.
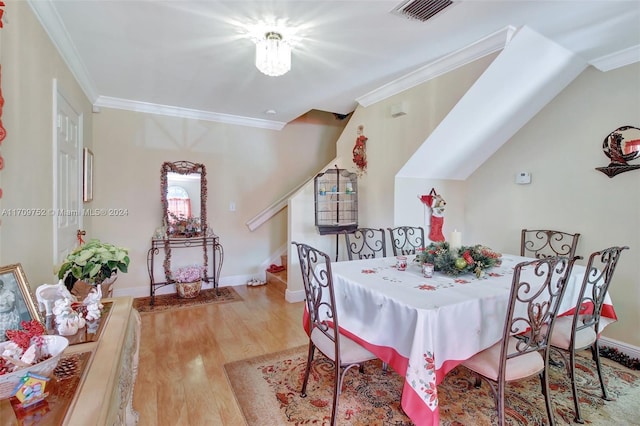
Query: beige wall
{"x": 250, "y": 167}
{"x": 561, "y": 147}
{"x": 30, "y": 63}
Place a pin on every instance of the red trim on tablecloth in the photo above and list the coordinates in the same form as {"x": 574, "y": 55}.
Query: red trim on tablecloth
{"x": 416, "y": 409}
{"x": 607, "y": 311}
{"x": 385, "y": 353}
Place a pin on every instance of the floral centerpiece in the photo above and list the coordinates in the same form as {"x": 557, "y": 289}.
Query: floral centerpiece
{"x": 188, "y": 280}
{"x": 182, "y": 225}
{"x": 467, "y": 259}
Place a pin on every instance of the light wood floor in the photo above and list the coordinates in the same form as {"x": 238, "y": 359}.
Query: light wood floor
{"x": 181, "y": 379}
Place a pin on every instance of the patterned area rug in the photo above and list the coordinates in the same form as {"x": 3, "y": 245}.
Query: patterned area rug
{"x": 267, "y": 389}
{"x": 166, "y": 302}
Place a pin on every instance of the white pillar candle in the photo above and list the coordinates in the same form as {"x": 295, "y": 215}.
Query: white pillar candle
{"x": 455, "y": 240}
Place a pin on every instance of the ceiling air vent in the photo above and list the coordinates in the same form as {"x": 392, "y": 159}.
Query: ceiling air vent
{"x": 420, "y": 10}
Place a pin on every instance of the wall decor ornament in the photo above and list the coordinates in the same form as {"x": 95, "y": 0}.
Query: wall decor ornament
{"x": 360, "y": 152}
{"x": 621, "y": 146}
{"x": 436, "y": 204}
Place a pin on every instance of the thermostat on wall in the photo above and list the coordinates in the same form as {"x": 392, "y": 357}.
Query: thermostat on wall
{"x": 523, "y": 178}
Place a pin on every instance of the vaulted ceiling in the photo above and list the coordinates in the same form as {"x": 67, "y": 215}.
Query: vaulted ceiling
{"x": 195, "y": 58}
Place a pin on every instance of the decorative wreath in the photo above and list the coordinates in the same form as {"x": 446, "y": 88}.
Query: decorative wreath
{"x": 467, "y": 259}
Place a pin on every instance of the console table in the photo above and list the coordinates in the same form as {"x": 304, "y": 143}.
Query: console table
{"x": 210, "y": 245}
{"x": 104, "y": 392}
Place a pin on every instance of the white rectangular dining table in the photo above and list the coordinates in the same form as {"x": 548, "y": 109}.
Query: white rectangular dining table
{"x": 424, "y": 327}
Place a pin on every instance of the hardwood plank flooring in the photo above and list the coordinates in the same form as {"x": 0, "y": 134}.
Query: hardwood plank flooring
{"x": 181, "y": 378}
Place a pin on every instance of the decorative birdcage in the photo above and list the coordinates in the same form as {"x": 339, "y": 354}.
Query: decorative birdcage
{"x": 336, "y": 201}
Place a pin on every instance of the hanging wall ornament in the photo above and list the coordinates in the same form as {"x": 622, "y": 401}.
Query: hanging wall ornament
{"x": 621, "y": 146}
{"x": 435, "y": 203}
{"x": 360, "y": 152}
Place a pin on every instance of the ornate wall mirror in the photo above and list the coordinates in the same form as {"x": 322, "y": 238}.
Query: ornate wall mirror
{"x": 183, "y": 188}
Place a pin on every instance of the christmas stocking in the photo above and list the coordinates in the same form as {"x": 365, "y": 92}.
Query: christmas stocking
{"x": 435, "y": 234}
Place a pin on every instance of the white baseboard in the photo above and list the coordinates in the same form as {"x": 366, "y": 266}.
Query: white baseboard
{"x": 294, "y": 296}
{"x": 625, "y": 348}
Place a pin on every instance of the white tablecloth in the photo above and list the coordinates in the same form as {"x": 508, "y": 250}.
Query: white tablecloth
{"x": 424, "y": 327}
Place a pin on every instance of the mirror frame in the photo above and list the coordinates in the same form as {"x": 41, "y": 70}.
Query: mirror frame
{"x": 184, "y": 168}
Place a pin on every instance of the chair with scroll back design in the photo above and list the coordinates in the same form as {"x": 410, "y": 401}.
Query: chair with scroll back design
{"x": 406, "y": 239}
{"x": 541, "y": 243}
{"x": 323, "y": 322}
{"x": 581, "y": 331}
{"x": 536, "y": 292}
{"x": 366, "y": 243}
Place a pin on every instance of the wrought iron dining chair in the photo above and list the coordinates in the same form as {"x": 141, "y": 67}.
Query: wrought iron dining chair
{"x": 323, "y": 322}
{"x": 541, "y": 243}
{"x": 406, "y": 239}
{"x": 536, "y": 292}
{"x": 581, "y": 331}
{"x": 366, "y": 243}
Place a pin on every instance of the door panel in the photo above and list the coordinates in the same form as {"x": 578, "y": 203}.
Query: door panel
{"x": 67, "y": 178}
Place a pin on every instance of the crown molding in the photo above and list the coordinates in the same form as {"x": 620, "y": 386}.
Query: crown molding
{"x": 461, "y": 57}
{"x": 137, "y": 106}
{"x": 50, "y": 21}
{"x": 619, "y": 59}
{"x": 52, "y": 24}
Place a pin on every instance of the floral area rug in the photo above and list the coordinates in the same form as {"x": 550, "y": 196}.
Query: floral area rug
{"x": 166, "y": 302}
{"x": 267, "y": 389}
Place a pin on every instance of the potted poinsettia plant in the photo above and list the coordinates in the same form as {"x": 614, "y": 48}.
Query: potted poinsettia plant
{"x": 93, "y": 263}
{"x": 188, "y": 280}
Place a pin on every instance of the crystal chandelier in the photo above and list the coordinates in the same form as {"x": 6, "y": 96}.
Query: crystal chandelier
{"x": 273, "y": 54}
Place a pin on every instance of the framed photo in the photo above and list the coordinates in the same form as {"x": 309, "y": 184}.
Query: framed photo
{"x": 87, "y": 177}
{"x": 17, "y": 302}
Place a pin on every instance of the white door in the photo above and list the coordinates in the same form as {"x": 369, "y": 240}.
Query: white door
{"x": 67, "y": 176}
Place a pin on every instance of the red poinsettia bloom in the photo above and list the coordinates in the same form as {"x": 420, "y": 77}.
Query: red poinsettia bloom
{"x": 23, "y": 337}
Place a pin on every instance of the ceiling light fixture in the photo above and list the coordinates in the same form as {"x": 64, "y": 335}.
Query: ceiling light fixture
{"x": 273, "y": 54}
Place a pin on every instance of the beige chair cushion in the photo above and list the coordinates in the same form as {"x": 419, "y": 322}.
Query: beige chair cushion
{"x": 561, "y": 335}
{"x": 350, "y": 351}
{"x": 487, "y": 363}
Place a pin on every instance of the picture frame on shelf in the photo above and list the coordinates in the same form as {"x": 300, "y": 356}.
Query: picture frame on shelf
{"x": 17, "y": 302}
{"x": 87, "y": 175}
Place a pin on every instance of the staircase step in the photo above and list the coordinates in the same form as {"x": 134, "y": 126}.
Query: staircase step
{"x": 278, "y": 280}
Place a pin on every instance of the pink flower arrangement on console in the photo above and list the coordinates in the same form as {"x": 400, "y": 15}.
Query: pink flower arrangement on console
{"x": 188, "y": 274}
